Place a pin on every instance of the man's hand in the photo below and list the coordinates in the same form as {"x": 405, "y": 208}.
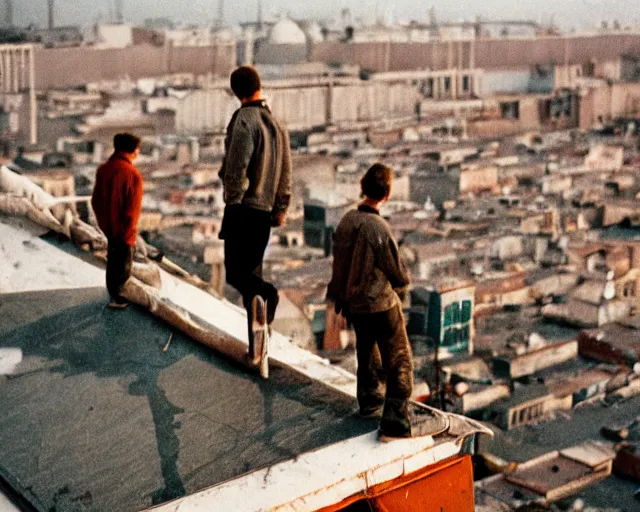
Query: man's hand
{"x": 403, "y": 293}
{"x": 278, "y": 219}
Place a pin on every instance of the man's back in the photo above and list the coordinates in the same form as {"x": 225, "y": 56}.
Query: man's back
{"x": 257, "y": 165}
{"x": 117, "y": 199}
{"x": 367, "y": 267}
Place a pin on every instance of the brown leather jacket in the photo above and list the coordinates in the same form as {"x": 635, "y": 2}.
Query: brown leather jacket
{"x": 367, "y": 269}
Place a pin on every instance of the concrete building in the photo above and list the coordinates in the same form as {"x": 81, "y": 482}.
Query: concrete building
{"x": 523, "y": 361}
{"x": 487, "y": 54}
{"x": 546, "y": 479}
{"x": 304, "y": 104}
{"x": 190, "y": 36}
{"x": 322, "y": 214}
{"x": 447, "y": 316}
{"x": 104, "y": 36}
{"x": 607, "y": 102}
{"x": 57, "y": 68}
{"x": 526, "y": 405}
{"x": 18, "y": 84}
{"x": 57, "y": 37}
{"x": 614, "y": 343}
{"x": 72, "y": 104}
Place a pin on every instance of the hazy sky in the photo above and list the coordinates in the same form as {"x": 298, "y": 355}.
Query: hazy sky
{"x": 568, "y": 13}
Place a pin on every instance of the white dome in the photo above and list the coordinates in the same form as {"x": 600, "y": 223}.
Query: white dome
{"x": 287, "y": 32}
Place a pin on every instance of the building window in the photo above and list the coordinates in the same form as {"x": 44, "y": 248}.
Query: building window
{"x": 589, "y": 69}
{"x": 448, "y": 334}
{"x": 510, "y": 110}
{"x": 629, "y": 290}
{"x": 447, "y": 84}
{"x": 566, "y": 104}
{"x": 465, "y": 83}
{"x": 455, "y": 308}
{"x": 466, "y": 310}
{"x": 457, "y": 318}
{"x": 447, "y": 317}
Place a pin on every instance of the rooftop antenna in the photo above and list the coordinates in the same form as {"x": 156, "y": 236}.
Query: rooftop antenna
{"x": 220, "y": 17}
{"x": 51, "y": 21}
{"x": 345, "y": 14}
{"x": 260, "y": 20}
{"x": 432, "y": 17}
{"x": 8, "y": 13}
{"x": 119, "y": 12}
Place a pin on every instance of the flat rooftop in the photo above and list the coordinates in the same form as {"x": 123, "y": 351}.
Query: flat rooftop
{"x": 97, "y": 416}
{"x": 568, "y": 429}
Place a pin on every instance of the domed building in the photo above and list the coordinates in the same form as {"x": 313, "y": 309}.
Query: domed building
{"x": 287, "y": 31}
{"x": 286, "y": 43}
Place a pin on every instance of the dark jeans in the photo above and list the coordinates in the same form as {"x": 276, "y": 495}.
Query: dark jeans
{"x": 384, "y": 357}
{"x": 246, "y": 232}
{"x": 119, "y": 261}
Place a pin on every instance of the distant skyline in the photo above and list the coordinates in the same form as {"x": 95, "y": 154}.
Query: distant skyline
{"x": 567, "y": 14}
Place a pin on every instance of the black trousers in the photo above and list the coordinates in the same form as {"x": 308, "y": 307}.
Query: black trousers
{"x": 384, "y": 357}
{"x": 246, "y": 232}
{"x": 119, "y": 261}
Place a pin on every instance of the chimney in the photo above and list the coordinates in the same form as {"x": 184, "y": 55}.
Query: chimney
{"x": 260, "y": 23}
{"x": 51, "y": 22}
{"x": 8, "y": 13}
{"x": 98, "y": 153}
{"x": 183, "y": 153}
{"x": 194, "y": 150}
{"x": 635, "y": 256}
{"x": 119, "y": 12}
{"x": 220, "y": 20}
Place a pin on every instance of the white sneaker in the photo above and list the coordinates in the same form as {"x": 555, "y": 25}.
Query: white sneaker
{"x": 259, "y": 338}
{"x": 117, "y": 305}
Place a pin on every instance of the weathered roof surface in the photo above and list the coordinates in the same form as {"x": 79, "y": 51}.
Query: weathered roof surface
{"x": 523, "y": 395}
{"x": 22, "y": 248}
{"x": 591, "y": 453}
{"x": 104, "y": 414}
{"x": 568, "y": 429}
{"x": 619, "y": 336}
{"x": 97, "y": 413}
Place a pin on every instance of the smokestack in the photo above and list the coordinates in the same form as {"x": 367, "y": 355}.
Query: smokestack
{"x": 51, "y": 23}
{"x": 260, "y": 14}
{"x": 8, "y": 13}
{"x": 220, "y": 20}
{"x": 119, "y": 12}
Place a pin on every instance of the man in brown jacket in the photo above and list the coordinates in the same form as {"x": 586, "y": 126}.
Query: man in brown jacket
{"x": 117, "y": 203}
{"x": 368, "y": 275}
